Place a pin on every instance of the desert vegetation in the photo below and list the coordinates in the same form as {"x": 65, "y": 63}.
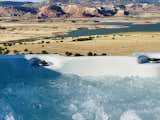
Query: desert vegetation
{"x": 83, "y": 39}
{"x": 32, "y": 37}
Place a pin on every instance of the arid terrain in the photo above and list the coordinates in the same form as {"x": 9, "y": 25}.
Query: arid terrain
{"x": 45, "y": 27}
{"x": 32, "y": 36}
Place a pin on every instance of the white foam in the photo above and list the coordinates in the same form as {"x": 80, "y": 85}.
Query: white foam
{"x": 92, "y": 109}
{"x": 73, "y": 108}
{"x": 130, "y": 115}
{"x": 123, "y": 66}
{"x": 89, "y": 105}
{"x": 78, "y": 116}
{"x": 9, "y": 117}
{"x": 101, "y": 115}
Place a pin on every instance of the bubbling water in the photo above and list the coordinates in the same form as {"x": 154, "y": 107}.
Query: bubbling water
{"x": 39, "y": 94}
{"x": 71, "y": 97}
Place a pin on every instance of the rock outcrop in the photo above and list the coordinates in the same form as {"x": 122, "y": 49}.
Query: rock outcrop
{"x": 51, "y": 10}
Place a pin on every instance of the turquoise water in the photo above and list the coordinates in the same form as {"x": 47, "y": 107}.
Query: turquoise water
{"x": 105, "y": 31}
{"x": 33, "y": 93}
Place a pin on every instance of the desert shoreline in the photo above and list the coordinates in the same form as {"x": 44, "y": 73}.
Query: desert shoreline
{"x": 30, "y": 37}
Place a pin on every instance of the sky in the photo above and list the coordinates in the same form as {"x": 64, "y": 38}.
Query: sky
{"x": 33, "y": 0}
{"x": 23, "y": 0}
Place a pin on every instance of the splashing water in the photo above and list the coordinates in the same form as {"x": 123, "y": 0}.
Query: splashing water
{"x": 40, "y": 95}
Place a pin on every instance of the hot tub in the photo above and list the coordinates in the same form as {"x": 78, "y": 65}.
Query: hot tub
{"x": 78, "y": 88}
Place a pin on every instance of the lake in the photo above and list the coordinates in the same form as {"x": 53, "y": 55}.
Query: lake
{"x": 105, "y": 31}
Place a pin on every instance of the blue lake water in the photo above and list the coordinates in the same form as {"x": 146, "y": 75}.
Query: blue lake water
{"x": 104, "y": 31}
{"x": 31, "y": 93}
{"x": 117, "y": 23}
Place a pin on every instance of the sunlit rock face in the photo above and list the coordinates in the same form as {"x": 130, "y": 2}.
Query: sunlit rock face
{"x": 73, "y": 9}
{"x": 142, "y": 7}
{"x": 50, "y": 11}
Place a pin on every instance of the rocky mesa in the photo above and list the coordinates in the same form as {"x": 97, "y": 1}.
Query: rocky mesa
{"x": 72, "y": 10}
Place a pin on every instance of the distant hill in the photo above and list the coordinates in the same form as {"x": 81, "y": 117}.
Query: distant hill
{"x": 94, "y": 2}
{"x": 13, "y": 3}
{"x": 88, "y": 3}
{"x": 83, "y": 2}
{"x": 75, "y": 8}
{"x": 62, "y": 10}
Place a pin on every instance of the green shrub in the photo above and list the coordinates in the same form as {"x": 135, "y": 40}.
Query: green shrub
{"x": 113, "y": 38}
{"x": 1, "y": 50}
{"x": 44, "y": 52}
{"x": 68, "y": 53}
{"x": 103, "y": 54}
{"x": 15, "y": 51}
{"x": 2, "y": 28}
{"x": 73, "y": 21}
{"x": 30, "y": 52}
{"x": 95, "y": 54}
{"x": 10, "y": 44}
{"x": 90, "y": 54}
{"x": 5, "y": 44}
{"x": 6, "y": 51}
{"x": 78, "y": 54}
{"x": 25, "y": 50}
{"x": 83, "y": 39}
{"x": 20, "y": 43}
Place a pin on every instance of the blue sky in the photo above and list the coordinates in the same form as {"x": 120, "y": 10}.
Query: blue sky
{"x": 23, "y": 0}
{"x": 31, "y": 0}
